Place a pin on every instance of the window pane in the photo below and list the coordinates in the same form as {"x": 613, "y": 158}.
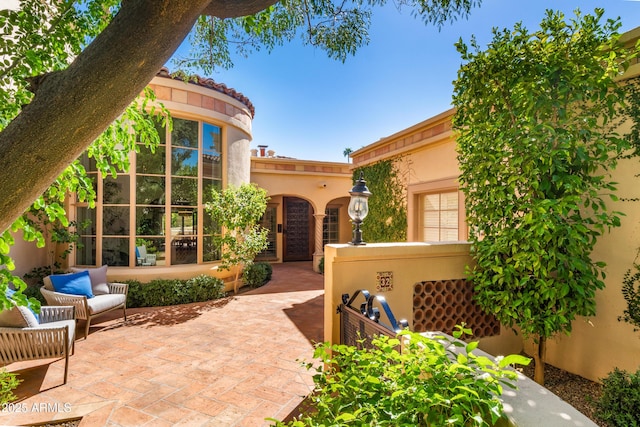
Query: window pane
{"x": 184, "y": 191}
{"x": 184, "y": 162}
{"x": 209, "y": 226}
{"x": 431, "y": 235}
{"x": 162, "y": 133}
{"x": 150, "y": 190}
{"x": 151, "y": 163}
{"x": 330, "y": 226}
{"x": 88, "y": 163}
{"x": 211, "y": 165}
{"x": 183, "y": 221}
{"x": 115, "y": 251}
{"x": 150, "y": 221}
{"x": 432, "y": 219}
{"x": 208, "y": 186}
{"x": 448, "y": 235}
{"x": 449, "y": 219}
{"x": 449, "y": 201}
{"x": 211, "y": 138}
{"x": 210, "y": 251}
{"x": 432, "y": 202}
{"x": 115, "y": 220}
{"x": 86, "y": 219}
{"x": 152, "y": 246}
{"x": 86, "y": 251}
{"x": 184, "y": 250}
{"x": 268, "y": 221}
{"x": 184, "y": 133}
{"x": 116, "y": 191}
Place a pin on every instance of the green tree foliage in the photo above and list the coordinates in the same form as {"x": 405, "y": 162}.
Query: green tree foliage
{"x": 44, "y": 37}
{"x": 537, "y": 121}
{"x": 387, "y": 219}
{"x": 338, "y": 28}
{"x": 238, "y": 211}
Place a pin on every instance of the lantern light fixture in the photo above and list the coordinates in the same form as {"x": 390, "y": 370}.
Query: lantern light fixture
{"x": 359, "y": 208}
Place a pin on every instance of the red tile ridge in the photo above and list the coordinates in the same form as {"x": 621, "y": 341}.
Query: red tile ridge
{"x": 211, "y": 84}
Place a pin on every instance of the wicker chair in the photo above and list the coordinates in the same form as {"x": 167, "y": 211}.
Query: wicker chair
{"x": 88, "y": 308}
{"x": 54, "y": 337}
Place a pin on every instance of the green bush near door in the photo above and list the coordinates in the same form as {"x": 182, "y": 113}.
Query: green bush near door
{"x": 163, "y": 292}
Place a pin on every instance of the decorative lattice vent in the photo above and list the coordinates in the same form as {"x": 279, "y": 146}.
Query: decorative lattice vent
{"x": 440, "y": 305}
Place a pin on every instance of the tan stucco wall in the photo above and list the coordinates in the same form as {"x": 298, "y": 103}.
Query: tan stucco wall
{"x": 27, "y": 255}
{"x": 322, "y": 184}
{"x": 601, "y": 343}
{"x": 351, "y": 268}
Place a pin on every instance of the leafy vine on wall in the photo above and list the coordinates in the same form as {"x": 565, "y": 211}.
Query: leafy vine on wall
{"x": 387, "y": 181}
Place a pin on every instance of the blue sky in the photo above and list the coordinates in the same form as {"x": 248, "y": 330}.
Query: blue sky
{"x": 311, "y": 107}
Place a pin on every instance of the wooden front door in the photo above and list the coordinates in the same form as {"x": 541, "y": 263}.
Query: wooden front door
{"x": 298, "y": 232}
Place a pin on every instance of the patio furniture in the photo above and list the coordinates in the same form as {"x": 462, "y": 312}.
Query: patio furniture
{"x": 24, "y": 337}
{"x": 91, "y": 300}
{"x": 143, "y": 257}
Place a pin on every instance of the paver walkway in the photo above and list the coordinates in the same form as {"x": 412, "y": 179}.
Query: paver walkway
{"x": 225, "y": 363}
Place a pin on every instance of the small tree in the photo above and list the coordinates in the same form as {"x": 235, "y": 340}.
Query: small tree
{"x": 538, "y": 117}
{"x": 237, "y": 210}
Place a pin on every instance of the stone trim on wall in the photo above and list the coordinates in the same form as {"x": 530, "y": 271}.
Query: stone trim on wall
{"x": 195, "y": 99}
{"x": 429, "y": 131}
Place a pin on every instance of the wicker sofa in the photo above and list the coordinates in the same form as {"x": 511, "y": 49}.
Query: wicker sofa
{"x": 106, "y": 297}
{"x": 23, "y": 336}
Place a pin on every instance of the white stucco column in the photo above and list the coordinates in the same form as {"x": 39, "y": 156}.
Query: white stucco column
{"x": 319, "y": 252}
{"x": 238, "y": 157}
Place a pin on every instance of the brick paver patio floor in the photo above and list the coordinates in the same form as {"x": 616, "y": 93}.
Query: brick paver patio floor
{"x": 225, "y": 363}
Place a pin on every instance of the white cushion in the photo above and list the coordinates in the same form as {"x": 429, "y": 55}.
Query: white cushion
{"x": 70, "y": 323}
{"x": 98, "y": 278}
{"x": 101, "y": 303}
{"x": 18, "y": 317}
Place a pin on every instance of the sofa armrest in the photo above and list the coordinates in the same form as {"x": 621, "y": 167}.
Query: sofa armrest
{"x": 118, "y": 288}
{"x": 58, "y": 299}
{"x": 49, "y": 313}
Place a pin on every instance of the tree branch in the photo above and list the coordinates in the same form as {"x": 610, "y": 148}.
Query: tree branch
{"x": 72, "y": 107}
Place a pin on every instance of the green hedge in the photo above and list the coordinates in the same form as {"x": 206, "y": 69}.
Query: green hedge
{"x": 257, "y": 274}
{"x": 619, "y": 404}
{"x": 163, "y": 292}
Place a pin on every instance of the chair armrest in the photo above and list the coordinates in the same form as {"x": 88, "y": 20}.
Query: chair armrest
{"x": 58, "y": 299}
{"x": 118, "y": 288}
{"x": 49, "y": 313}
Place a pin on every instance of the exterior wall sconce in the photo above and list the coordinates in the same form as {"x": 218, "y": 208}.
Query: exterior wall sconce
{"x": 359, "y": 208}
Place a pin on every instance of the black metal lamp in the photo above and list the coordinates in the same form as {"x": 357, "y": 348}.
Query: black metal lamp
{"x": 359, "y": 207}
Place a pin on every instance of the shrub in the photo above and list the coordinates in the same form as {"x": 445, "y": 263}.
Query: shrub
{"x": 321, "y": 266}
{"x": 257, "y": 274}
{"x": 8, "y": 383}
{"x": 163, "y": 292}
{"x": 424, "y": 385}
{"x": 619, "y": 404}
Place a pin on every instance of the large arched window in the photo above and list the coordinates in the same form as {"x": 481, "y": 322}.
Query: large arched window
{"x": 151, "y": 216}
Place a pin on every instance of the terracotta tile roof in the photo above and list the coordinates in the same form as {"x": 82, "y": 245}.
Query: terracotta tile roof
{"x": 211, "y": 84}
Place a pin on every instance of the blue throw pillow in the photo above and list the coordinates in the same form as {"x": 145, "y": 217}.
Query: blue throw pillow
{"x": 74, "y": 283}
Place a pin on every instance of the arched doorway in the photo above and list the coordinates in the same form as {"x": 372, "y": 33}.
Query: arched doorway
{"x": 298, "y": 241}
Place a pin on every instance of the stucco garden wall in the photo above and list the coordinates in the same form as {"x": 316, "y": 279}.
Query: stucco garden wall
{"x": 351, "y": 268}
